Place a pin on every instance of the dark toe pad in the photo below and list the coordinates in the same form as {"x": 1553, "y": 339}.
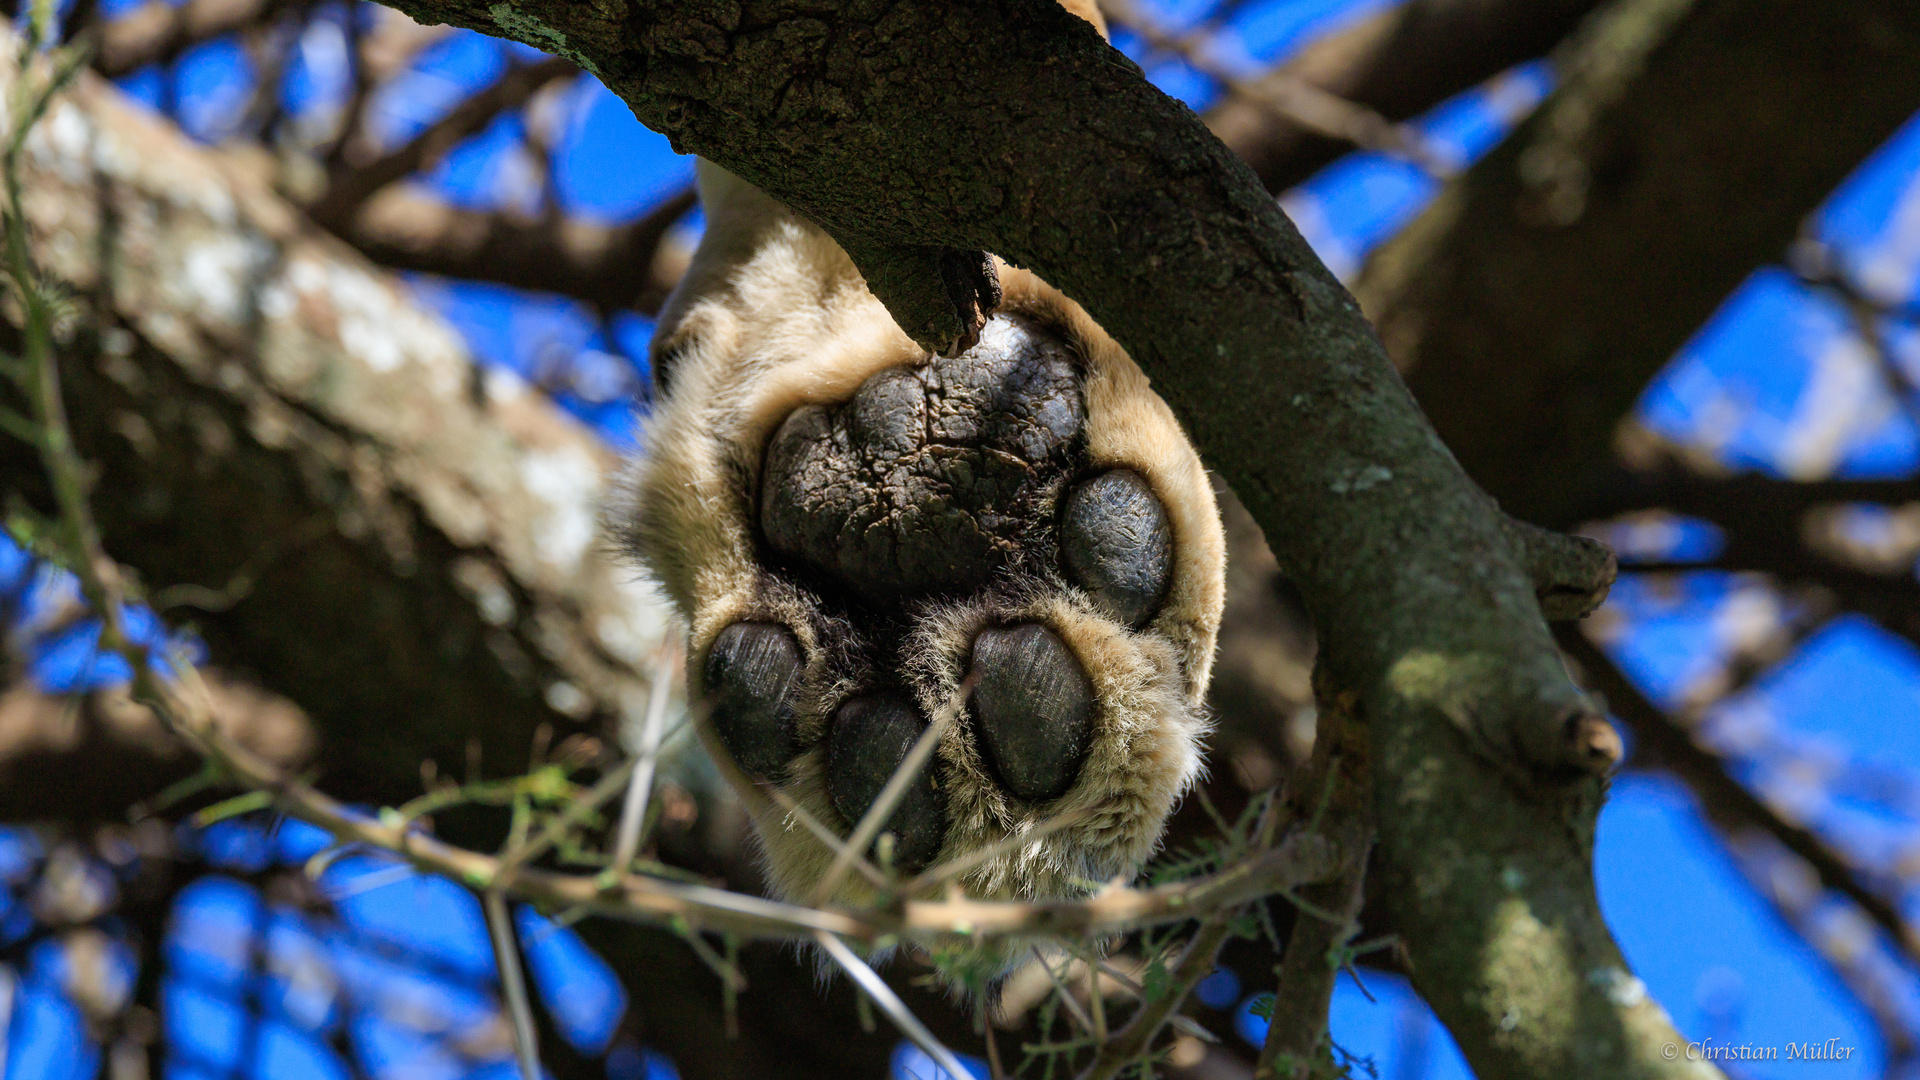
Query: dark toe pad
{"x": 930, "y": 478}
{"x": 752, "y": 673}
{"x": 870, "y": 738}
{"x": 1116, "y": 544}
{"x": 1033, "y": 706}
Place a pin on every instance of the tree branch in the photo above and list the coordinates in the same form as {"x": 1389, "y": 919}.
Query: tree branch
{"x": 1396, "y": 64}
{"x": 609, "y": 266}
{"x": 1784, "y": 881}
{"x": 399, "y": 543}
{"x": 1289, "y": 100}
{"x": 1762, "y": 502}
{"x": 1534, "y": 300}
{"x": 90, "y": 757}
{"x": 350, "y": 184}
{"x": 1726, "y": 801}
{"x": 157, "y": 32}
{"x": 1297, "y": 1045}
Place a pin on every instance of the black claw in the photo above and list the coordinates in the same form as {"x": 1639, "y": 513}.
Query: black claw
{"x": 752, "y": 677}
{"x": 1116, "y": 544}
{"x": 870, "y": 738}
{"x": 1033, "y": 705}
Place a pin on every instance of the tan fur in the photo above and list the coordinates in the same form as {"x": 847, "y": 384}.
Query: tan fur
{"x": 772, "y": 316}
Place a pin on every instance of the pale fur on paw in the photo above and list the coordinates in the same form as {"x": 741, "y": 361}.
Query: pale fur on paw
{"x": 854, "y": 530}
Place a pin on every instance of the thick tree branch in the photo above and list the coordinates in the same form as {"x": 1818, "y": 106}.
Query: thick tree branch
{"x": 91, "y": 757}
{"x": 368, "y": 525}
{"x": 608, "y": 266}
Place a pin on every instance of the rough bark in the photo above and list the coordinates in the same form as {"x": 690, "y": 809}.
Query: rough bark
{"x": 1037, "y": 142}
{"x": 1553, "y": 281}
{"x": 310, "y": 468}
{"x": 1399, "y": 63}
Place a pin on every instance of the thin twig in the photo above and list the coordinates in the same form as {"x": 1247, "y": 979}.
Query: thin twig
{"x": 513, "y": 985}
{"x": 1066, "y": 995}
{"x": 826, "y": 836}
{"x": 9, "y": 990}
{"x": 371, "y": 880}
{"x": 1136, "y": 1038}
{"x": 953, "y": 868}
{"x": 633, "y": 812}
{"x": 1134, "y": 987}
{"x": 558, "y": 825}
{"x": 727, "y": 970}
{"x": 995, "y": 1071}
{"x": 350, "y": 186}
{"x": 890, "y": 1003}
{"x": 1096, "y": 1003}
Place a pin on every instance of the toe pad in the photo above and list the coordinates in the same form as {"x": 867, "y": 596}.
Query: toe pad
{"x": 752, "y": 673}
{"x": 870, "y": 738}
{"x": 1033, "y": 705}
{"x": 1116, "y": 543}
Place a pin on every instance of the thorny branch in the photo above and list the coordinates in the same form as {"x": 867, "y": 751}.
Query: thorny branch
{"x": 1195, "y": 963}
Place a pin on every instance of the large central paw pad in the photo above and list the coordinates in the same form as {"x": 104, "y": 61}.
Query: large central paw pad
{"x": 1018, "y": 538}
{"x": 932, "y": 477}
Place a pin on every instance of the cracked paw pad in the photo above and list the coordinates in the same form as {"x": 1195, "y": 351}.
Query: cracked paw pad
{"x": 857, "y": 534}
{"x": 929, "y": 477}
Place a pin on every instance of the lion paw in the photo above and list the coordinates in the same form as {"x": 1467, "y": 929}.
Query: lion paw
{"x": 861, "y": 535}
